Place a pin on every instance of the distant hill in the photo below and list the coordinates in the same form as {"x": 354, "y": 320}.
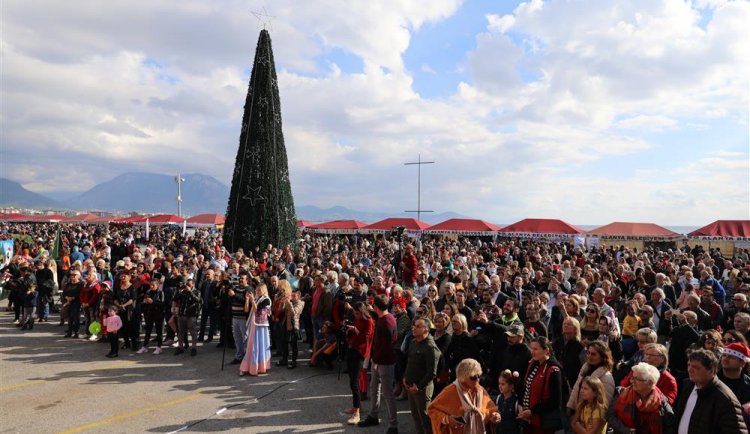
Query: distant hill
{"x": 13, "y": 194}
{"x": 154, "y": 193}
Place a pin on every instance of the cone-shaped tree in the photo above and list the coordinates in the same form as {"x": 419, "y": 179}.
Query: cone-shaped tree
{"x": 261, "y": 208}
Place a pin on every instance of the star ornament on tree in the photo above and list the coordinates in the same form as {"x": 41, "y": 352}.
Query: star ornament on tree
{"x": 253, "y": 195}
{"x": 264, "y": 20}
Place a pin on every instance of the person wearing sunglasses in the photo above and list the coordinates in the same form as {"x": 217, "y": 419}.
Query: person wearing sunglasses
{"x": 464, "y": 406}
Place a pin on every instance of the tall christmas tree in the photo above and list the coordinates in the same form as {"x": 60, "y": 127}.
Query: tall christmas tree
{"x": 261, "y": 207}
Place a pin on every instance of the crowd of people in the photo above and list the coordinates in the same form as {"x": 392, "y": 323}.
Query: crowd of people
{"x": 479, "y": 335}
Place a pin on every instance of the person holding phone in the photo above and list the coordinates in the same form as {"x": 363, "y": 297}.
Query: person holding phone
{"x": 464, "y": 406}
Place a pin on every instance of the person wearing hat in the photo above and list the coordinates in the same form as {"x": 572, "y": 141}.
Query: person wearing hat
{"x": 734, "y": 368}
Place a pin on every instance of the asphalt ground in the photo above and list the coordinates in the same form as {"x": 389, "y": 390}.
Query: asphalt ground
{"x": 50, "y": 384}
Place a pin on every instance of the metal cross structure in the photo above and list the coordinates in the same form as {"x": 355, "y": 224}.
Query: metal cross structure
{"x": 179, "y": 180}
{"x": 419, "y": 164}
{"x": 264, "y": 20}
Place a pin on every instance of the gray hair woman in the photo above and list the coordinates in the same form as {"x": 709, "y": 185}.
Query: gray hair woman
{"x": 641, "y": 407}
{"x": 464, "y": 406}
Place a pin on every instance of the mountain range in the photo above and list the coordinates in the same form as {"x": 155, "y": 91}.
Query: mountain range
{"x": 156, "y": 193}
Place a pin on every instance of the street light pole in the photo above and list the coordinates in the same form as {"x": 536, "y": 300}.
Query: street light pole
{"x": 179, "y": 180}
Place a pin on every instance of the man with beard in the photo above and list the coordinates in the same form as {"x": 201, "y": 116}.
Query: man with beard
{"x": 510, "y": 312}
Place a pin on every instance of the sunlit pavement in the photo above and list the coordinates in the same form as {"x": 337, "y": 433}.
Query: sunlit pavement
{"x": 50, "y": 384}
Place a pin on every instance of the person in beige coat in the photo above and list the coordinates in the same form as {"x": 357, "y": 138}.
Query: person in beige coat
{"x": 598, "y": 365}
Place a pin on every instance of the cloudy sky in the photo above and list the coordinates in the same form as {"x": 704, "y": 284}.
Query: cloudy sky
{"x": 587, "y": 110}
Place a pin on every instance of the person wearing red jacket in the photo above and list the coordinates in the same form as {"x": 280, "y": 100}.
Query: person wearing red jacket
{"x": 657, "y": 356}
{"x": 90, "y": 300}
{"x": 409, "y": 266}
{"x": 359, "y": 338}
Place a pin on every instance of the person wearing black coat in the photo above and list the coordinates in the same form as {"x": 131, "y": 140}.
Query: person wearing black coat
{"x": 568, "y": 353}
{"x": 45, "y": 280}
{"x": 683, "y": 337}
{"x": 462, "y": 346}
{"x": 705, "y": 404}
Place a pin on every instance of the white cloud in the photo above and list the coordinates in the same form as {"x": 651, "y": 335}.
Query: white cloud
{"x": 647, "y": 122}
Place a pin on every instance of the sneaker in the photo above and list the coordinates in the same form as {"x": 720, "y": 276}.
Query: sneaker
{"x": 354, "y": 420}
{"x": 157, "y": 350}
{"x": 168, "y": 342}
{"x": 18, "y": 321}
{"x": 369, "y": 421}
{"x": 175, "y": 345}
{"x": 142, "y": 350}
{"x": 93, "y": 338}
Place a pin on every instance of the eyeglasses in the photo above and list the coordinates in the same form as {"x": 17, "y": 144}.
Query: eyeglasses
{"x": 475, "y": 377}
{"x": 591, "y": 311}
{"x": 638, "y": 380}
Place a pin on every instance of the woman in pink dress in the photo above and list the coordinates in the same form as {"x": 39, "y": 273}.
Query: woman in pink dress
{"x": 258, "y": 352}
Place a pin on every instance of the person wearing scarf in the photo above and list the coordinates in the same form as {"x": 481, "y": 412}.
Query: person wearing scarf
{"x": 463, "y": 407}
{"x": 641, "y": 407}
{"x": 542, "y": 387}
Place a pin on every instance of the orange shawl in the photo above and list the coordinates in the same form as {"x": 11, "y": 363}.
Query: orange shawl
{"x": 448, "y": 404}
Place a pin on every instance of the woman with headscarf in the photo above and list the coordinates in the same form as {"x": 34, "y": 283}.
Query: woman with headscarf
{"x": 609, "y": 335}
{"x": 464, "y": 407}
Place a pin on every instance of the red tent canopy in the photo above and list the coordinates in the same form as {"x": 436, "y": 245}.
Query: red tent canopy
{"x": 13, "y": 217}
{"x": 304, "y": 224}
{"x": 626, "y": 229}
{"x": 542, "y": 227}
{"x": 80, "y": 218}
{"x": 410, "y": 224}
{"x": 206, "y": 220}
{"x": 724, "y": 229}
{"x": 163, "y": 219}
{"x": 339, "y": 226}
{"x": 463, "y": 226}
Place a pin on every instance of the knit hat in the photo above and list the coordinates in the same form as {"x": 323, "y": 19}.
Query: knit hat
{"x": 738, "y": 350}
